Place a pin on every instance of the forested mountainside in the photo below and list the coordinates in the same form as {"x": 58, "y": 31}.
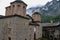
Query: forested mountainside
{"x": 50, "y": 11}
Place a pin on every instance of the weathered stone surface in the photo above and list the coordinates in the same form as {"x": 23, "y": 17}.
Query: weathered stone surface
{"x": 18, "y": 29}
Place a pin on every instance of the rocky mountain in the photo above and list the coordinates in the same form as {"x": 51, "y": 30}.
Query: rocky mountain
{"x": 48, "y": 11}
{"x": 33, "y": 9}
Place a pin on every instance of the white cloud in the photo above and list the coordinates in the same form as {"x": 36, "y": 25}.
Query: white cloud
{"x": 36, "y": 1}
{"x": 4, "y": 4}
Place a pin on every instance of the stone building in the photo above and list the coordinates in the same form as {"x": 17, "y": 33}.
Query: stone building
{"x": 51, "y": 31}
{"x": 15, "y": 25}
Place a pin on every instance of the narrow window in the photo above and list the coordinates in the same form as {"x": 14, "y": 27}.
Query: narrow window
{"x": 9, "y": 38}
{"x": 34, "y": 36}
{"x": 18, "y": 5}
{"x": 9, "y": 7}
{"x": 25, "y": 39}
{"x": 9, "y": 30}
{"x": 23, "y": 6}
{"x": 13, "y": 5}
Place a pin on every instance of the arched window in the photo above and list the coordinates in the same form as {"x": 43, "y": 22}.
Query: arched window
{"x": 13, "y": 5}
{"x": 25, "y": 39}
{"x": 9, "y": 38}
{"x": 23, "y": 6}
{"x": 18, "y": 5}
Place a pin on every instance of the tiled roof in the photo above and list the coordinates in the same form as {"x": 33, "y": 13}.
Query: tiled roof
{"x": 50, "y": 24}
{"x": 2, "y": 17}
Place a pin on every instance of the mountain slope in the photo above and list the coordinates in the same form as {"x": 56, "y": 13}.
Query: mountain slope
{"x": 48, "y": 12}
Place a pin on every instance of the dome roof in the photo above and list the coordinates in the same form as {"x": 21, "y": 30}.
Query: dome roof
{"x": 36, "y": 13}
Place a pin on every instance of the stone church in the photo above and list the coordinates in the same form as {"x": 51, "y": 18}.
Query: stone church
{"x": 16, "y": 25}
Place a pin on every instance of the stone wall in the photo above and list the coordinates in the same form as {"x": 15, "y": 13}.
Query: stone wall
{"x": 3, "y": 29}
{"x": 17, "y": 28}
{"x": 39, "y": 31}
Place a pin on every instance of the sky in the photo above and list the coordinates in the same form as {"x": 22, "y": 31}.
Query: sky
{"x": 30, "y": 3}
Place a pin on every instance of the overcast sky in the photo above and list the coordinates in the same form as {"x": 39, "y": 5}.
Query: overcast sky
{"x": 5, "y": 3}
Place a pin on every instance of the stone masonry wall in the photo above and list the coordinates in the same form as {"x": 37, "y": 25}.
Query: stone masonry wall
{"x": 18, "y": 29}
